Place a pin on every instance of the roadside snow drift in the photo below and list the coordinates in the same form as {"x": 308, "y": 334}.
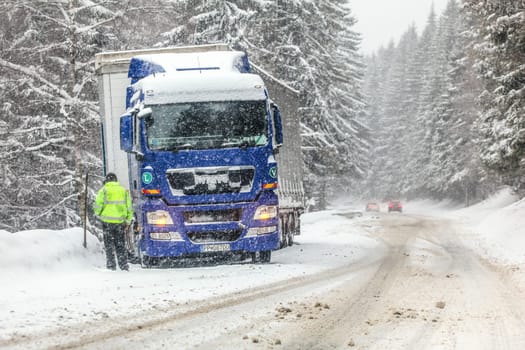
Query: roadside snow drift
{"x": 48, "y": 251}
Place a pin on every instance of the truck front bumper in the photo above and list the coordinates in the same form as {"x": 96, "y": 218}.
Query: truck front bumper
{"x": 238, "y": 231}
{"x": 160, "y": 249}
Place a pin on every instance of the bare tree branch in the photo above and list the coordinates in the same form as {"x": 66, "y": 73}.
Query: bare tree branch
{"x": 43, "y": 15}
{"x": 34, "y": 74}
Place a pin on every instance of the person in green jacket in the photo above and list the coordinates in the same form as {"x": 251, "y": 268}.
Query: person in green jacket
{"x": 113, "y": 207}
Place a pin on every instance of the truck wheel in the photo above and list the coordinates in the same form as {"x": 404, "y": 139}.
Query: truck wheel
{"x": 290, "y": 232}
{"x": 282, "y": 234}
{"x": 146, "y": 262}
{"x": 266, "y": 256}
{"x": 290, "y": 238}
{"x": 297, "y": 225}
{"x": 131, "y": 245}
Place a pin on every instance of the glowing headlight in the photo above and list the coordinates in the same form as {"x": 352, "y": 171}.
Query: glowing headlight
{"x": 265, "y": 212}
{"x": 165, "y": 236}
{"x": 159, "y": 217}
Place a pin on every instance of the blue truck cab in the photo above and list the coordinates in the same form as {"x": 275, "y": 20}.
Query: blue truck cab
{"x": 201, "y": 136}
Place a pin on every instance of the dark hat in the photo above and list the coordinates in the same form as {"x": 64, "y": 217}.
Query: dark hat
{"x": 110, "y": 177}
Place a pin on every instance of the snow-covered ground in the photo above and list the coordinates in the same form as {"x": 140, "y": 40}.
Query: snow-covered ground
{"x": 497, "y": 224}
{"x": 49, "y": 280}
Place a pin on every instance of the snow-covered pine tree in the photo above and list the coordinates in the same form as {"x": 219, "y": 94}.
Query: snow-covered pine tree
{"x": 427, "y": 115}
{"x": 401, "y": 111}
{"x": 374, "y": 88}
{"x": 211, "y": 21}
{"x": 346, "y": 100}
{"x": 471, "y": 179}
{"x": 498, "y": 27}
{"x": 458, "y": 172}
{"x": 441, "y": 167}
{"x": 50, "y": 113}
{"x": 443, "y": 158}
{"x": 396, "y": 94}
{"x": 335, "y": 141}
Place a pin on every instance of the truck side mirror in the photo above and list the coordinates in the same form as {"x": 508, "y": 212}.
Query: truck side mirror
{"x": 126, "y": 133}
{"x": 278, "y": 125}
{"x": 144, "y": 112}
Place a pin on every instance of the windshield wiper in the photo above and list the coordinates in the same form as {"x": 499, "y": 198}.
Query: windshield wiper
{"x": 242, "y": 144}
{"x": 184, "y": 146}
{"x": 176, "y": 147}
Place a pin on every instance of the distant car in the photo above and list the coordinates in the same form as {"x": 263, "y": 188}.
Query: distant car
{"x": 372, "y": 206}
{"x": 395, "y": 206}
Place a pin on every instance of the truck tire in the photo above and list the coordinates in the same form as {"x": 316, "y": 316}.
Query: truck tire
{"x": 266, "y": 256}
{"x": 290, "y": 233}
{"x": 290, "y": 238}
{"x": 131, "y": 238}
{"x": 282, "y": 233}
{"x": 146, "y": 262}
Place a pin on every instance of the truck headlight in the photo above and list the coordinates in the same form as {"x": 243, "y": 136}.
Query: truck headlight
{"x": 165, "y": 236}
{"x": 265, "y": 212}
{"x": 159, "y": 217}
{"x": 256, "y": 231}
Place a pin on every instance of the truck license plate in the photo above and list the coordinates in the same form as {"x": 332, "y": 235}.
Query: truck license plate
{"x": 216, "y": 248}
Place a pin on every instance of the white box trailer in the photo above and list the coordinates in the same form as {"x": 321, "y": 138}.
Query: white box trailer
{"x": 290, "y": 159}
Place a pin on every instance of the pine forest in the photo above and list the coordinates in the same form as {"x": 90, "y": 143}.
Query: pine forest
{"x": 437, "y": 114}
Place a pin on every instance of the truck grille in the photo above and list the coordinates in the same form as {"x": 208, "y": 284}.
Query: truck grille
{"x": 209, "y": 216}
{"x": 214, "y": 236}
{"x": 214, "y": 180}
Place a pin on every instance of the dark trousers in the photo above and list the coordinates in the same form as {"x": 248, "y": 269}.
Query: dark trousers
{"x": 114, "y": 243}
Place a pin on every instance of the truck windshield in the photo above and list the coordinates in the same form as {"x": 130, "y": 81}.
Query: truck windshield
{"x": 201, "y": 125}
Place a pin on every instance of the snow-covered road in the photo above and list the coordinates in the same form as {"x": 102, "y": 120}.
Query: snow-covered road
{"x": 427, "y": 290}
{"x": 406, "y": 281}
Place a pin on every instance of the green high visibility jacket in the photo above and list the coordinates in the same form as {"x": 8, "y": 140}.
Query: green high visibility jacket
{"x": 113, "y": 204}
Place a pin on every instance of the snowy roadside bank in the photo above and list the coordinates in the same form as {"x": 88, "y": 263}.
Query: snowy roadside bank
{"x": 53, "y": 281}
{"x": 497, "y": 225}
{"x": 495, "y": 228}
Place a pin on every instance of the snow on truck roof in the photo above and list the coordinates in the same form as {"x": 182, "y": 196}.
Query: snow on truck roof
{"x": 170, "y": 88}
{"x": 225, "y": 61}
{"x": 195, "y": 77}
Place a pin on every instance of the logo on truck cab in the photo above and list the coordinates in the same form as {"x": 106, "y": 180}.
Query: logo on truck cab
{"x": 273, "y": 172}
{"x": 147, "y": 177}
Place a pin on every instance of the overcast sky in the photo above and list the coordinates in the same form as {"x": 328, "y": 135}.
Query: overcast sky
{"x": 379, "y": 21}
